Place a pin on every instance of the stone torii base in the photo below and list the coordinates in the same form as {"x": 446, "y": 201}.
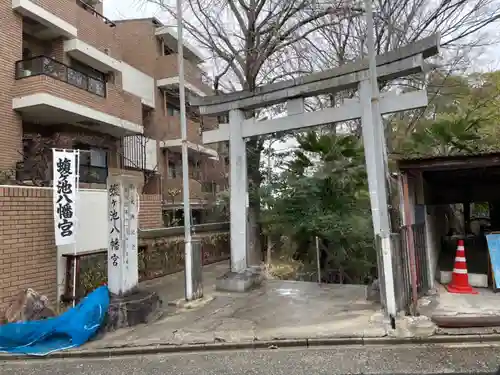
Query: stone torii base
{"x": 240, "y": 281}
{"x": 135, "y": 307}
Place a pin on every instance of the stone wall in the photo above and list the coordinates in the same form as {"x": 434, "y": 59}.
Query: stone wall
{"x": 158, "y": 257}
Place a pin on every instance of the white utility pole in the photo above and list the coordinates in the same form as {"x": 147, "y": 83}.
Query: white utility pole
{"x": 377, "y": 177}
{"x": 188, "y": 257}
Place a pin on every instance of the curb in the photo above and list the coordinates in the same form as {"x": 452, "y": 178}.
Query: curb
{"x": 252, "y": 345}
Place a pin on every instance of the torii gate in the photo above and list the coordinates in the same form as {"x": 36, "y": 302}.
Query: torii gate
{"x": 392, "y": 65}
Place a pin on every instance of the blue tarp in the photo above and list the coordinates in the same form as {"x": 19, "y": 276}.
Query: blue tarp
{"x": 69, "y": 330}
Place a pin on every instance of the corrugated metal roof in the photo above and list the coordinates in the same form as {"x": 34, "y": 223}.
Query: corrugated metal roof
{"x": 402, "y": 158}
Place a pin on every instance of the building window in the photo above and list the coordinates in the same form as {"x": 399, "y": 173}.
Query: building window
{"x": 172, "y": 169}
{"x": 27, "y": 54}
{"x": 172, "y": 111}
{"x": 110, "y": 78}
{"x": 167, "y": 51}
{"x": 27, "y": 62}
{"x": 93, "y": 164}
{"x": 223, "y": 119}
{"x": 88, "y": 70}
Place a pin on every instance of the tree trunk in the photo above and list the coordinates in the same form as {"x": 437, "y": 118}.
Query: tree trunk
{"x": 269, "y": 250}
{"x": 254, "y": 249}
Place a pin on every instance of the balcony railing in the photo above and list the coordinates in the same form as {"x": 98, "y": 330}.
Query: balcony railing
{"x": 93, "y": 175}
{"x": 43, "y": 65}
{"x": 89, "y": 8}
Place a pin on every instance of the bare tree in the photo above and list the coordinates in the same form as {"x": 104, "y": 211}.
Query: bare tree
{"x": 465, "y": 26}
{"x": 255, "y": 42}
{"x": 248, "y": 40}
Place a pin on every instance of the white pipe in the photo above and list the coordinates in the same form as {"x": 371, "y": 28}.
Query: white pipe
{"x": 188, "y": 258}
{"x": 77, "y": 198}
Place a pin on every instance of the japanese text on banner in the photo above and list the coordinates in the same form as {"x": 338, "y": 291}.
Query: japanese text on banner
{"x": 131, "y": 239}
{"x": 65, "y": 181}
{"x": 115, "y": 225}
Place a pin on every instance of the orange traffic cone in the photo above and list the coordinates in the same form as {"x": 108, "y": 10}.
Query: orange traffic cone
{"x": 460, "y": 278}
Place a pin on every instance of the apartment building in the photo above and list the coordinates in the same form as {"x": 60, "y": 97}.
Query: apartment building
{"x": 151, "y": 47}
{"x": 72, "y": 78}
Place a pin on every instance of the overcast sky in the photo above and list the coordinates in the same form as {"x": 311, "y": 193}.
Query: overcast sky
{"x": 119, "y": 9}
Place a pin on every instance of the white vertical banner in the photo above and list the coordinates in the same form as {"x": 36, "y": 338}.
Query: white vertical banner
{"x": 131, "y": 262}
{"x": 65, "y": 186}
{"x": 116, "y": 237}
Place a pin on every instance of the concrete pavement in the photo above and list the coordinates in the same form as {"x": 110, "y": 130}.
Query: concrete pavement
{"x": 484, "y": 304}
{"x": 405, "y": 359}
{"x": 277, "y": 310}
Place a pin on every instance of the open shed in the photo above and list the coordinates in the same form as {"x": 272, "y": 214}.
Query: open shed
{"x": 453, "y": 197}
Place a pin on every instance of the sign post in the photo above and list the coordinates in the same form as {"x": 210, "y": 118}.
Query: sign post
{"x": 65, "y": 195}
{"x": 123, "y": 212}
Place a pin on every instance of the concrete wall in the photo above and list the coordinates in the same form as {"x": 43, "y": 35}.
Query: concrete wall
{"x": 138, "y": 83}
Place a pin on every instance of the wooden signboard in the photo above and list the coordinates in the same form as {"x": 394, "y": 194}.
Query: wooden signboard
{"x": 493, "y": 240}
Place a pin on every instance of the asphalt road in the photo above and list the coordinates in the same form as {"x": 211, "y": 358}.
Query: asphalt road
{"x": 344, "y": 360}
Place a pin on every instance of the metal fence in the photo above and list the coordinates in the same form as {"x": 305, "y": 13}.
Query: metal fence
{"x": 402, "y": 265}
{"x": 420, "y": 255}
{"x": 380, "y": 269}
{"x": 401, "y": 269}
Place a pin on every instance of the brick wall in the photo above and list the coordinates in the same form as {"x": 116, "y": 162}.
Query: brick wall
{"x": 166, "y": 67}
{"x": 28, "y": 254}
{"x": 94, "y": 31}
{"x": 138, "y": 44}
{"x": 27, "y": 246}
{"x": 10, "y": 51}
{"x": 63, "y": 9}
{"x": 150, "y": 214}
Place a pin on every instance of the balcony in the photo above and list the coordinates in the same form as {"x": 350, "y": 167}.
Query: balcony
{"x": 47, "y": 19}
{"x": 49, "y": 92}
{"x": 175, "y": 145}
{"x": 91, "y": 56}
{"x": 173, "y": 129}
{"x": 172, "y": 192}
{"x": 167, "y": 75}
{"x": 173, "y": 137}
{"x": 97, "y": 44}
{"x": 93, "y": 11}
{"x": 46, "y": 66}
{"x": 169, "y": 37}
